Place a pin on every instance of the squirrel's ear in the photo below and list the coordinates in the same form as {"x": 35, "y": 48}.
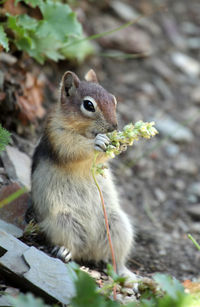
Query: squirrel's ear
{"x": 91, "y": 76}
{"x": 69, "y": 83}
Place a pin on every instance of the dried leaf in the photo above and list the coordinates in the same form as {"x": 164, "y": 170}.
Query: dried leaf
{"x": 15, "y": 9}
{"x": 191, "y": 287}
{"x": 30, "y": 103}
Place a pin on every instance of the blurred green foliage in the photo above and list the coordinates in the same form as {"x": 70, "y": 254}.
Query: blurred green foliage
{"x": 4, "y": 138}
{"x": 169, "y": 293}
{"x": 51, "y": 37}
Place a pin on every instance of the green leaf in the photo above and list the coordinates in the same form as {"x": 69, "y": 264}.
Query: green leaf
{"x": 4, "y": 138}
{"x": 78, "y": 51}
{"x": 33, "y": 3}
{"x": 87, "y": 295}
{"x": 12, "y": 23}
{"x": 50, "y": 36}
{"x": 24, "y": 300}
{"x": 3, "y": 39}
{"x": 59, "y": 20}
{"x": 47, "y": 47}
{"x": 170, "y": 285}
{"x": 27, "y": 22}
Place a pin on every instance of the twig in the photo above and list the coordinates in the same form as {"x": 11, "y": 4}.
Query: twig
{"x": 106, "y": 219}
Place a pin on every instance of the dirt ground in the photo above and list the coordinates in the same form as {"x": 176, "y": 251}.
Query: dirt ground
{"x": 158, "y": 180}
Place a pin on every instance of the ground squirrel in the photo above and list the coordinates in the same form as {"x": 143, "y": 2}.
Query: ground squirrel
{"x": 65, "y": 199}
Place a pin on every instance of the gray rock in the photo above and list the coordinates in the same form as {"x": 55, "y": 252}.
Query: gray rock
{"x": 193, "y": 43}
{"x": 179, "y": 184}
{"x": 35, "y": 271}
{"x": 172, "y": 30}
{"x": 162, "y": 69}
{"x": 186, "y": 64}
{"x": 95, "y": 274}
{"x": 11, "y": 229}
{"x": 128, "y": 13}
{"x": 185, "y": 165}
{"x": 194, "y": 188}
{"x": 192, "y": 198}
{"x": 172, "y": 150}
{"x": 169, "y": 127}
{"x": 194, "y": 211}
{"x": 49, "y": 274}
{"x": 195, "y": 227}
{"x": 190, "y": 28}
{"x": 163, "y": 89}
{"x": 7, "y": 58}
{"x": 160, "y": 195}
{"x": 4, "y": 301}
{"x": 195, "y": 95}
{"x": 123, "y": 10}
{"x": 132, "y": 39}
{"x": 17, "y": 165}
{"x": 128, "y": 291}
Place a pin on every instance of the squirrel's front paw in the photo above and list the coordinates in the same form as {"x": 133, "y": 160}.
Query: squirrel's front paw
{"x": 101, "y": 142}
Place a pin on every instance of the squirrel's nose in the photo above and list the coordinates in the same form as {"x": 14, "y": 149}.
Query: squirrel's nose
{"x": 113, "y": 127}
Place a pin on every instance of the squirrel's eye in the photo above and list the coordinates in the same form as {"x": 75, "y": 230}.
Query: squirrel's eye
{"x": 88, "y": 105}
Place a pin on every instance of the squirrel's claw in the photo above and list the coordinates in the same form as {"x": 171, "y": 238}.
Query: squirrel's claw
{"x": 101, "y": 142}
{"x": 62, "y": 253}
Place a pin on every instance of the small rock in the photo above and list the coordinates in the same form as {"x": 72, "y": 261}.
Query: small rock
{"x": 190, "y": 28}
{"x": 12, "y": 291}
{"x": 131, "y": 40}
{"x": 194, "y": 211}
{"x": 195, "y": 95}
{"x": 127, "y": 291}
{"x": 194, "y": 188}
{"x": 172, "y": 150}
{"x": 169, "y": 127}
{"x": 119, "y": 297}
{"x": 193, "y": 43}
{"x": 179, "y": 184}
{"x": 17, "y": 165}
{"x": 172, "y": 30}
{"x": 149, "y": 89}
{"x": 124, "y": 10}
{"x": 7, "y": 58}
{"x": 2, "y": 170}
{"x": 192, "y": 198}
{"x": 104, "y": 277}
{"x": 186, "y": 165}
{"x": 195, "y": 227}
{"x": 95, "y": 274}
{"x": 160, "y": 195}
{"x": 187, "y": 64}
{"x": 4, "y": 301}
{"x": 163, "y": 89}
{"x": 162, "y": 69}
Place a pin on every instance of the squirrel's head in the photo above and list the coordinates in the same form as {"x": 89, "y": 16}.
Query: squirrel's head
{"x": 87, "y": 106}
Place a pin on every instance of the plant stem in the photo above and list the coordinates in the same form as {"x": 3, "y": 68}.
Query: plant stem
{"x": 12, "y": 197}
{"x": 106, "y": 219}
{"x": 125, "y": 25}
{"x": 194, "y": 241}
